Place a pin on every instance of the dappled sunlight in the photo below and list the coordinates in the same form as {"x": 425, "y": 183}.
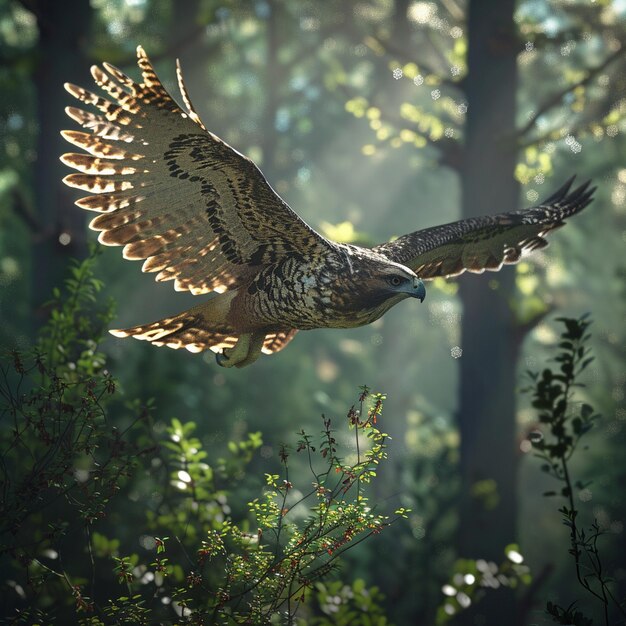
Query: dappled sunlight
{"x": 149, "y": 486}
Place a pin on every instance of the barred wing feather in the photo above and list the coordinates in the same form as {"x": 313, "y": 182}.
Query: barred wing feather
{"x": 485, "y": 243}
{"x": 173, "y": 194}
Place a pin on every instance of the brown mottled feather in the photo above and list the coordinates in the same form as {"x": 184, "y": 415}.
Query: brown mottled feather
{"x": 275, "y": 342}
{"x": 94, "y": 145}
{"x": 97, "y": 165}
{"x": 195, "y": 189}
{"x": 485, "y": 243}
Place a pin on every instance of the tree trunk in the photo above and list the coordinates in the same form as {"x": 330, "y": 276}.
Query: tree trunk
{"x": 487, "y": 368}
{"x": 63, "y": 35}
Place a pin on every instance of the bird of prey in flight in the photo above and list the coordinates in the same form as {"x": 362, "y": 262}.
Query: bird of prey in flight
{"x": 199, "y": 213}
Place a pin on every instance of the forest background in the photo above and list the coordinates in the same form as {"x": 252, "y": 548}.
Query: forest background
{"x": 371, "y": 118}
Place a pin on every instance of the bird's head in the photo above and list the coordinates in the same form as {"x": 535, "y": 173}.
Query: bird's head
{"x": 373, "y": 284}
{"x": 398, "y": 280}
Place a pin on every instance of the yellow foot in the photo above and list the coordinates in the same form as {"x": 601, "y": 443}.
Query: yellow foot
{"x": 245, "y": 352}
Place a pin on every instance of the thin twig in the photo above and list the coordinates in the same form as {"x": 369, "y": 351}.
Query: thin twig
{"x": 556, "y": 98}
{"x": 391, "y": 50}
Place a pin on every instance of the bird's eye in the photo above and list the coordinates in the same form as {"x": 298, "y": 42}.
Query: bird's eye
{"x": 395, "y": 281}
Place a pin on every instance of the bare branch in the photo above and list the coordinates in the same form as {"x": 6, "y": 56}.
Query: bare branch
{"x": 556, "y": 98}
{"x": 306, "y": 52}
{"x": 391, "y": 50}
{"x": 542, "y": 139}
{"x": 549, "y": 135}
{"x": 454, "y": 10}
{"x": 174, "y": 50}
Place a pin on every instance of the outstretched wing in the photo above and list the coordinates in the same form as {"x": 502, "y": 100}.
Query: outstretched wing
{"x": 485, "y": 243}
{"x": 173, "y": 193}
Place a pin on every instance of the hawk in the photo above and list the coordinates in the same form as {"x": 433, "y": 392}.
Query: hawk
{"x": 199, "y": 213}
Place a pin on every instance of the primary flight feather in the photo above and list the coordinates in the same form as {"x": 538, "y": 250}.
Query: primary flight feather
{"x": 199, "y": 213}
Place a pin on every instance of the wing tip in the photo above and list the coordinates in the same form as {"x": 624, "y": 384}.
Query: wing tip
{"x": 578, "y": 199}
{"x": 66, "y": 159}
{"x": 571, "y": 202}
{"x": 69, "y": 180}
{"x": 561, "y": 192}
{"x": 97, "y": 73}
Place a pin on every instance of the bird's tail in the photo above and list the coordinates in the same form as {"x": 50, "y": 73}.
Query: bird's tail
{"x": 188, "y": 329}
{"x": 203, "y": 327}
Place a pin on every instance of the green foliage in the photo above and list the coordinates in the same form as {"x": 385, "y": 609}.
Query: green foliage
{"x": 54, "y": 415}
{"x": 348, "y": 605}
{"x": 567, "y": 421}
{"x": 62, "y": 460}
{"x": 76, "y": 324}
{"x": 568, "y": 616}
{"x": 267, "y": 569}
{"x": 64, "y": 464}
{"x": 472, "y": 578}
{"x": 195, "y": 494}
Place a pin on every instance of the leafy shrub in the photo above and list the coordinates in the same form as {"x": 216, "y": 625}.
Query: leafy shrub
{"x": 62, "y": 459}
{"x": 65, "y": 461}
{"x": 565, "y": 422}
{"x": 265, "y": 571}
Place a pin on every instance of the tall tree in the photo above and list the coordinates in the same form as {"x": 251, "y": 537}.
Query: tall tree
{"x": 486, "y": 414}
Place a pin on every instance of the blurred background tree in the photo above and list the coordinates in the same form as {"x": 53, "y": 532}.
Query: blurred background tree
{"x": 371, "y": 118}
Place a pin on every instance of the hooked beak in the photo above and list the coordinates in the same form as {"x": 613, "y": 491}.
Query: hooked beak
{"x": 419, "y": 291}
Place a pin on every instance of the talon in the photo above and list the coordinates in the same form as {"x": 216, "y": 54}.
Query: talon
{"x": 222, "y": 359}
{"x": 246, "y": 351}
